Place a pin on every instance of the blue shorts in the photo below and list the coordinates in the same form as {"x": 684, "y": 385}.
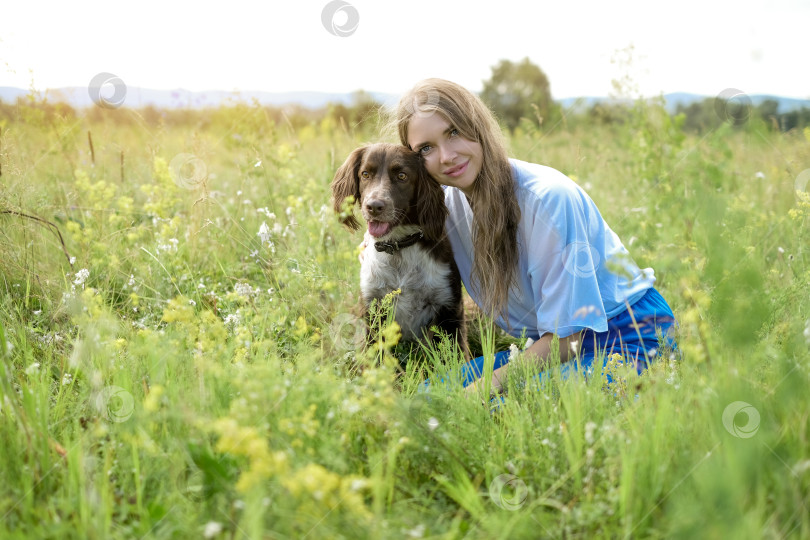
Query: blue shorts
{"x": 637, "y": 343}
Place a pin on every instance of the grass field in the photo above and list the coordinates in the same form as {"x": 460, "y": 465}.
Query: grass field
{"x": 181, "y": 363}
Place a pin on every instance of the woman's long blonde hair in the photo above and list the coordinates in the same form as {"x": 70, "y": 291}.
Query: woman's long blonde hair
{"x": 496, "y": 213}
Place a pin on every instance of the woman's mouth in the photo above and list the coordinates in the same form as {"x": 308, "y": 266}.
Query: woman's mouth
{"x": 457, "y": 171}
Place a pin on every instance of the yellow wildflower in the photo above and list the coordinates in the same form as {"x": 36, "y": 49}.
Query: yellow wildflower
{"x": 151, "y": 402}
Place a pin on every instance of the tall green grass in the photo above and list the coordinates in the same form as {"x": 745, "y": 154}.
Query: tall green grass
{"x": 194, "y": 372}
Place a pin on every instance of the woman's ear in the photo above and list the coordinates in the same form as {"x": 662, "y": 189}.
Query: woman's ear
{"x": 432, "y": 210}
{"x": 346, "y": 183}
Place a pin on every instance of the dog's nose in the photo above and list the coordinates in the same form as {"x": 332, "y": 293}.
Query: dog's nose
{"x": 375, "y": 206}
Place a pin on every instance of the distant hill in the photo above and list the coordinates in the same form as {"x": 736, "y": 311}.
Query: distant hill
{"x": 179, "y": 98}
{"x": 674, "y": 99}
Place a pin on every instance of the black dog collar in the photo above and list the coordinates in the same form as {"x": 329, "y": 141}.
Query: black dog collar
{"x": 393, "y": 247}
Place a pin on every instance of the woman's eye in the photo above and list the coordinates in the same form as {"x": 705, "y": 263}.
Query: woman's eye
{"x": 365, "y": 174}
{"x": 425, "y": 149}
{"x": 454, "y": 132}
{"x": 402, "y": 176}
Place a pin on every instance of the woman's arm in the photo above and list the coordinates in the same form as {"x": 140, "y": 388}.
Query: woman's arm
{"x": 538, "y": 354}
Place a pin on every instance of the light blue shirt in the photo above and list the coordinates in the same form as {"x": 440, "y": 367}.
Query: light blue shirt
{"x": 573, "y": 270}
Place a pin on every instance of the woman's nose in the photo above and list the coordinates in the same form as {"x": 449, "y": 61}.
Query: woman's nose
{"x": 446, "y": 153}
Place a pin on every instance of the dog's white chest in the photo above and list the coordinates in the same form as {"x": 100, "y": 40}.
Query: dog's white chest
{"x": 424, "y": 283}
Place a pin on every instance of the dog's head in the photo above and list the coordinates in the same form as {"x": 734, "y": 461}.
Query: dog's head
{"x": 392, "y": 187}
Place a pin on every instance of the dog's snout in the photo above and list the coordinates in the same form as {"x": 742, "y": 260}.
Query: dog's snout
{"x": 375, "y": 206}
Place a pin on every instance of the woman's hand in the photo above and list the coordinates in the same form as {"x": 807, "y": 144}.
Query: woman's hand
{"x": 537, "y": 353}
{"x": 497, "y": 384}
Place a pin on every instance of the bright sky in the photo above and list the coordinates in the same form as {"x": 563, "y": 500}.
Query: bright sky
{"x": 697, "y": 46}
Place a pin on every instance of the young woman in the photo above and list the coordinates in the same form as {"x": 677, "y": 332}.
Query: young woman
{"x": 532, "y": 248}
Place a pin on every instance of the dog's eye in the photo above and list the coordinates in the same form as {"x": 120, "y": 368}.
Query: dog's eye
{"x": 365, "y": 174}
{"x": 402, "y": 176}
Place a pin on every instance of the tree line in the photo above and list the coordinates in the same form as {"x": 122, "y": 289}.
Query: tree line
{"x": 519, "y": 93}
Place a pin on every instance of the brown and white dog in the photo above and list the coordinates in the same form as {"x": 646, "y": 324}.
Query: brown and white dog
{"x": 407, "y": 248}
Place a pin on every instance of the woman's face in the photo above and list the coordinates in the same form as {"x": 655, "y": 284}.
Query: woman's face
{"x": 449, "y": 158}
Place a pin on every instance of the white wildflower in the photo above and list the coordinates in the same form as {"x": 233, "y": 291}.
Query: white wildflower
{"x": 264, "y": 210}
{"x": 81, "y": 276}
{"x": 264, "y": 232}
{"x": 212, "y": 529}
{"x": 245, "y": 290}
{"x": 357, "y": 484}
{"x": 170, "y": 246}
{"x": 432, "y": 423}
{"x": 232, "y": 321}
{"x": 351, "y": 407}
{"x": 589, "y": 429}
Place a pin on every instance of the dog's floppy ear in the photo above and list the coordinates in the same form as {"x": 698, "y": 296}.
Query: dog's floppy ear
{"x": 430, "y": 201}
{"x": 346, "y": 183}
